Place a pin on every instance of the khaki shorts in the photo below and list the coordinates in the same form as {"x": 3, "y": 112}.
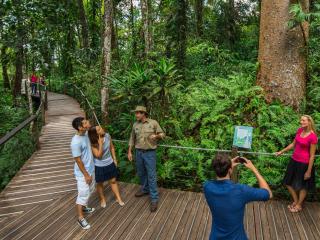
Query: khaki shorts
{"x": 84, "y": 190}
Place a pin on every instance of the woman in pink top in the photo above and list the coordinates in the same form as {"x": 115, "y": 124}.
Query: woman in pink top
{"x": 300, "y": 174}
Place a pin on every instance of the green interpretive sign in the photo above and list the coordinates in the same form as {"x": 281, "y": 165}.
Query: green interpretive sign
{"x": 242, "y": 137}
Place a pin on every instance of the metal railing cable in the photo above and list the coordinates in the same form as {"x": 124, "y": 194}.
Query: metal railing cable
{"x": 240, "y": 152}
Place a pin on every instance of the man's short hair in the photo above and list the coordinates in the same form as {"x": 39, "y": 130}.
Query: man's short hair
{"x": 221, "y": 164}
{"x": 77, "y": 123}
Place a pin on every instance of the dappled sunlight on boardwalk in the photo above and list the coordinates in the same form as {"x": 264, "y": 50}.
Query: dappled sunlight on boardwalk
{"x": 39, "y": 202}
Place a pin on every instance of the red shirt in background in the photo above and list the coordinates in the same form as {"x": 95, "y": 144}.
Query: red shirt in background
{"x": 301, "y": 151}
{"x": 34, "y": 78}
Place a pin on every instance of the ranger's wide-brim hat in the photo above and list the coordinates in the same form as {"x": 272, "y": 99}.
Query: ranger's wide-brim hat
{"x": 140, "y": 109}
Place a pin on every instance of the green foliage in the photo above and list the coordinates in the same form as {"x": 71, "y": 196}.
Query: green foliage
{"x": 11, "y": 115}
{"x": 13, "y": 155}
{"x": 17, "y": 150}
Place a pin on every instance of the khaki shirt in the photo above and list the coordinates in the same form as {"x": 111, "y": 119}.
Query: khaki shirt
{"x": 141, "y": 132}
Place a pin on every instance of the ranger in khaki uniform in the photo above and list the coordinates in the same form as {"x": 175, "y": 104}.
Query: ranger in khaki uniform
{"x": 144, "y": 136}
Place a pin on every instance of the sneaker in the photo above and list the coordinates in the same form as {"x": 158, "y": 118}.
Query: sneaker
{"x": 88, "y": 210}
{"x": 84, "y": 224}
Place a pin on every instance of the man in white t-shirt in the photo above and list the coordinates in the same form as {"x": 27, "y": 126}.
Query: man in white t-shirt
{"x": 83, "y": 168}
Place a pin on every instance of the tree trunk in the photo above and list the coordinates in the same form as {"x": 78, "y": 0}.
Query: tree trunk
{"x": 94, "y": 28}
{"x": 19, "y": 72}
{"x": 282, "y": 53}
{"x": 106, "y": 57}
{"x": 133, "y": 34}
{"x": 84, "y": 25}
{"x": 4, "y": 63}
{"x": 146, "y": 19}
{"x": 181, "y": 23}
{"x": 199, "y": 17}
{"x": 114, "y": 40}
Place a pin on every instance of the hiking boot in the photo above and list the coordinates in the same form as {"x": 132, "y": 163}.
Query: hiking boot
{"x": 140, "y": 194}
{"x": 83, "y": 224}
{"x": 153, "y": 206}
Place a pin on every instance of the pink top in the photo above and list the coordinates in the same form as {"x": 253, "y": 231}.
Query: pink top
{"x": 34, "y": 78}
{"x": 301, "y": 151}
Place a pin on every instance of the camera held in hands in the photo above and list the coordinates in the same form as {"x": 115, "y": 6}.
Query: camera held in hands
{"x": 241, "y": 160}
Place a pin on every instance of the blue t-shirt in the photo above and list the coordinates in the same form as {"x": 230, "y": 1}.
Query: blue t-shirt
{"x": 106, "y": 158}
{"x": 227, "y": 202}
{"x": 80, "y": 147}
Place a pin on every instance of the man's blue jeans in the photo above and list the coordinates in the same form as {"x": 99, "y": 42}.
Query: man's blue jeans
{"x": 146, "y": 169}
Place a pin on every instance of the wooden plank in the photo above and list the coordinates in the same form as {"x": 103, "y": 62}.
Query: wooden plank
{"x": 277, "y": 220}
{"x": 178, "y": 231}
{"x": 28, "y": 229}
{"x": 66, "y": 218}
{"x": 307, "y": 224}
{"x": 44, "y": 195}
{"x": 313, "y": 213}
{"x": 52, "y": 217}
{"x": 189, "y": 227}
{"x": 208, "y": 226}
{"x": 311, "y": 225}
{"x": 291, "y": 222}
{"x": 197, "y": 227}
{"x": 22, "y": 222}
{"x": 68, "y": 227}
{"x": 258, "y": 221}
{"x": 176, "y": 208}
{"x": 280, "y": 206}
{"x": 204, "y": 222}
{"x": 115, "y": 231}
{"x": 147, "y": 218}
{"x": 21, "y": 186}
{"x": 271, "y": 221}
{"x": 251, "y": 230}
{"x": 125, "y": 229}
{"x": 102, "y": 221}
{"x": 161, "y": 216}
{"x": 245, "y": 219}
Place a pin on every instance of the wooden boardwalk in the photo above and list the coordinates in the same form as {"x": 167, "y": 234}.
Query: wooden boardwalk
{"x": 39, "y": 201}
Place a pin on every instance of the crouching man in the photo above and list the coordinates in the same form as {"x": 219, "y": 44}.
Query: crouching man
{"x": 227, "y": 200}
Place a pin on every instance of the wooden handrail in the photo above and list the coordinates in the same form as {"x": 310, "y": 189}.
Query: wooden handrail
{"x": 22, "y": 125}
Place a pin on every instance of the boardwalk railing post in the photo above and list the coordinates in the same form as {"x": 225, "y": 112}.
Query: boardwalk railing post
{"x": 46, "y": 99}
{"x": 74, "y": 91}
{"x": 65, "y": 88}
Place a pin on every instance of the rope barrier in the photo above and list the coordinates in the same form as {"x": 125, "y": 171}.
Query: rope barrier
{"x": 183, "y": 147}
{"x": 212, "y": 149}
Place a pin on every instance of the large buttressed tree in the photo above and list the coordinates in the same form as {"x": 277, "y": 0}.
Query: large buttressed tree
{"x": 282, "y": 53}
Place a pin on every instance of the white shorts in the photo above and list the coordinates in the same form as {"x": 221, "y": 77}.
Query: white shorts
{"x": 84, "y": 190}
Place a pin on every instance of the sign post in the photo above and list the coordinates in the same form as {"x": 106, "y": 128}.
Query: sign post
{"x": 242, "y": 138}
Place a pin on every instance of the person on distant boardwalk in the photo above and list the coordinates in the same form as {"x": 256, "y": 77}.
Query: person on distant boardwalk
{"x": 34, "y": 82}
{"x": 144, "y": 136}
{"x": 42, "y": 80}
{"x": 83, "y": 168}
{"x": 105, "y": 162}
{"x": 300, "y": 174}
{"x": 227, "y": 200}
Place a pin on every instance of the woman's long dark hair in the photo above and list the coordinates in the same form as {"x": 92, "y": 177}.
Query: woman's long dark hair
{"x": 93, "y": 136}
